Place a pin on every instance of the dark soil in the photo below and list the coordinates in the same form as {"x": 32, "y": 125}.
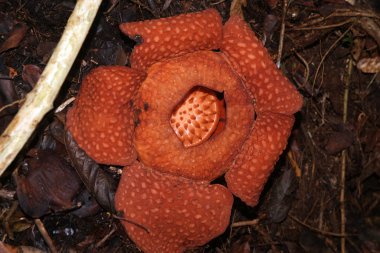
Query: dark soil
{"x": 331, "y": 151}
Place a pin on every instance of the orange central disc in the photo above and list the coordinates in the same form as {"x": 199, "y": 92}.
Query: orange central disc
{"x": 197, "y": 117}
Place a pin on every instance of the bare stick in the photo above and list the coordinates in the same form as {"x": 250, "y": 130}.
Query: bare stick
{"x": 105, "y": 238}
{"x": 316, "y": 229}
{"x": 40, "y": 100}
{"x": 45, "y": 235}
{"x": 11, "y": 104}
{"x": 282, "y": 33}
{"x": 245, "y": 223}
{"x": 327, "y": 53}
{"x": 342, "y": 187}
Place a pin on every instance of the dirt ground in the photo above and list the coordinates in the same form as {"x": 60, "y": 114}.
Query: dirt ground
{"x": 324, "y": 195}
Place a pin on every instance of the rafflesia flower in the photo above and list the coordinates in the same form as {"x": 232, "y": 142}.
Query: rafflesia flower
{"x": 200, "y": 100}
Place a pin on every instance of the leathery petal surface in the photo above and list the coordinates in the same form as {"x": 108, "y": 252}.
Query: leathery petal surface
{"x": 164, "y": 213}
{"x": 271, "y": 89}
{"x": 260, "y": 152}
{"x": 102, "y": 118}
{"x": 169, "y": 37}
{"x": 167, "y": 83}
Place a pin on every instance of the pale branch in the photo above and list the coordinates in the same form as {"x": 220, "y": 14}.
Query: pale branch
{"x": 40, "y": 100}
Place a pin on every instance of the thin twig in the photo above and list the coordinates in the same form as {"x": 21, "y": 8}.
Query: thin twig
{"x": 323, "y": 232}
{"x": 7, "y": 224}
{"x": 372, "y": 80}
{"x": 64, "y": 105}
{"x": 132, "y": 222}
{"x": 45, "y": 235}
{"x": 113, "y": 5}
{"x": 105, "y": 238}
{"x": 343, "y": 164}
{"x": 140, "y": 4}
{"x": 40, "y": 100}
{"x": 355, "y": 13}
{"x": 307, "y": 74}
{"x": 282, "y": 33}
{"x": 245, "y": 223}
{"x": 350, "y": 20}
{"x": 340, "y": 13}
{"x": 327, "y": 53}
{"x": 293, "y": 162}
{"x": 218, "y": 2}
{"x": 12, "y": 104}
{"x": 323, "y": 110}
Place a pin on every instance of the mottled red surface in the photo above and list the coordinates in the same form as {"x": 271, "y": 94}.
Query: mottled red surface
{"x": 197, "y": 117}
{"x": 102, "y": 120}
{"x": 167, "y": 190}
{"x": 168, "y": 37}
{"x": 257, "y": 158}
{"x": 176, "y": 213}
{"x": 271, "y": 89}
{"x": 167, "y": 83}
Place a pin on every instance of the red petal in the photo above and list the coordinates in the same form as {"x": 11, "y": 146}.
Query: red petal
{"x": 168, "y": 37}
{"x": 178, "y": 213}
{"x": 258, "y": 156}
{"x": 272, "y": 91}
{"x": 102, "y": 119}
{"x": 166, "y": 85}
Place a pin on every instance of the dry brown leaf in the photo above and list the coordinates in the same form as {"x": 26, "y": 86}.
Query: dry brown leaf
{"x": 338, "y": 141}
{"x": 99, "y": 183}
{"x": 31, "y": 73}
{"x": 38, "y": 190}
{"x": 7, "y": 248}
{"x": 369, "y": 65}
{"x": 237, "y": 7}
{"x": 15, "y": 37}
{"x": 8, "y": 95}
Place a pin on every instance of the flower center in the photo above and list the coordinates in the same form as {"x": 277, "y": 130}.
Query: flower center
{"x": 198, "y": 116}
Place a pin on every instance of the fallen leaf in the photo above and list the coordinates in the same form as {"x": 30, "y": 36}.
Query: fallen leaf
{"x": 369, "y": 65}
{"x": 100, "y": 184}
{"x": 15, "y": 37}
{"x": 279, "y": 200}
{"x": 270, "y": 24}
{"x": 371, "y": 27}
{"x": 338, "y": 141}
{"x": 31, "y": 73}
{"x": 7, "y": 96}
{"x": 166, "y": 4}
{"x": 237, "y": 7}
{"x": 88, "y": 206}
{"x": 7, "y": 248}
{"x": 46, "y": 183}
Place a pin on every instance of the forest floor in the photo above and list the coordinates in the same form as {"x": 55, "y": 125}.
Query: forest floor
{"x": 324, "y": 194}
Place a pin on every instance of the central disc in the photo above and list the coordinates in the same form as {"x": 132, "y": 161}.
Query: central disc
{"x": 196, "y": 118}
